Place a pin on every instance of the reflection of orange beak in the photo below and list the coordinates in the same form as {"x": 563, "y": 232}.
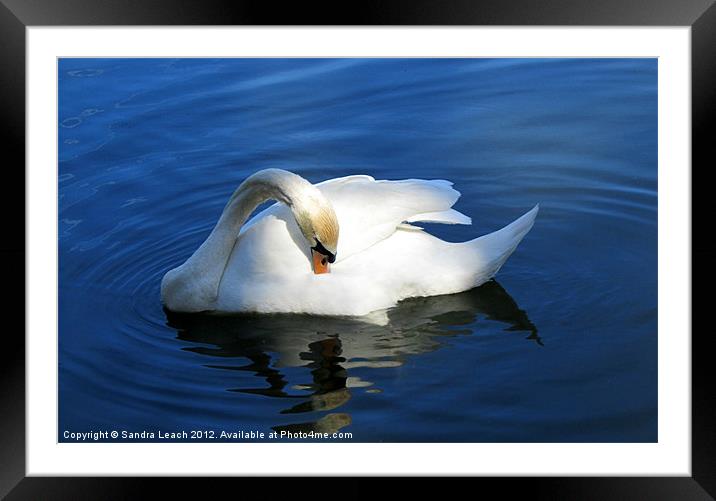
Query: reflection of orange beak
{"x": 320, "y": 262}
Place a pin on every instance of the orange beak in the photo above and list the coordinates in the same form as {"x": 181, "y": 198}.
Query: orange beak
{"x": 320, "y": 262}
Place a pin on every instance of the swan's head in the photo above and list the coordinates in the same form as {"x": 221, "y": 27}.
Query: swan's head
{"x": 313, "y": 212}
{"x": 319, "y": 225}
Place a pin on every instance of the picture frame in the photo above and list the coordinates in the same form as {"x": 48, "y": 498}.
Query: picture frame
{"x": 16, "y": 16}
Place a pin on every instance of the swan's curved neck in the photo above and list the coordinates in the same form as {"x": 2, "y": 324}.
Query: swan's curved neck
{"x": 201, "y": 273}
{"x": 252, "y": 192}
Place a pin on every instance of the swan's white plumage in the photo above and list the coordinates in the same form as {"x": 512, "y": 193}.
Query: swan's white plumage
{"x": 378, "y": 262}
{"x": 450, "y": 216}
{"x": 369, "y": 211}
{"x": 381, "y": 257}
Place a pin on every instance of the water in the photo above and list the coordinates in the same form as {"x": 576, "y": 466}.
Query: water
{"x": 562, "y": 347}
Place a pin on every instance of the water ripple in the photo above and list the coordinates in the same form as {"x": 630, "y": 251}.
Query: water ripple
{"x": 562, "y": 348}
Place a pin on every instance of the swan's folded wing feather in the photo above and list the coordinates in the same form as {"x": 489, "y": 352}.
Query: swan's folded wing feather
{"x": 450, "y": 216}
{"x": 369, "y": 211}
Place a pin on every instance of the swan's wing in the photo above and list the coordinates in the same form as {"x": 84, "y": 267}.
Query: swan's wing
{"x": 450, "y": 216}
{"x": 369, "y": 211}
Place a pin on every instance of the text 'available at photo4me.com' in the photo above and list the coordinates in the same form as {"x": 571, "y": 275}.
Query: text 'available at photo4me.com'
{"x": 199, "y": 435}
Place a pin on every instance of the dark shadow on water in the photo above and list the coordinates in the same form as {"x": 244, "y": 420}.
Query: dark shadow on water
{"x": 331, "y": 347}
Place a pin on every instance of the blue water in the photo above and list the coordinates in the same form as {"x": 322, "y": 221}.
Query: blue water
{"x": 562, "y": 347}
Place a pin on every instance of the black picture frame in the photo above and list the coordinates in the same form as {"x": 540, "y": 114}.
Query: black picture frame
{"x": 16, "y": 15}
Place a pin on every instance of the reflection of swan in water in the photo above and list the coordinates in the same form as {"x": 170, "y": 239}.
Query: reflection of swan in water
{"x": 331, "y": 346}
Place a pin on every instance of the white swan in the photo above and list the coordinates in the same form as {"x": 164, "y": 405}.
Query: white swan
{"x": 279, "y": 261}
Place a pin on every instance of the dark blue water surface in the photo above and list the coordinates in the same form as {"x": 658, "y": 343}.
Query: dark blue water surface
{"x": 562, "y": 347}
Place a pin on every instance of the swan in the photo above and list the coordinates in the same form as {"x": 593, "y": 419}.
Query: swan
{"x": 288, "y": 258}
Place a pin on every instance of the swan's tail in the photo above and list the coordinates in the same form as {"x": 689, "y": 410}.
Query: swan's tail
{"x": 492, "y": 250}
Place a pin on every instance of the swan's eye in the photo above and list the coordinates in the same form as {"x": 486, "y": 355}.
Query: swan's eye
{"x": 320, "y": 248}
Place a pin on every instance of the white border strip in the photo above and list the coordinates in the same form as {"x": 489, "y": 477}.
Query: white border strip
{"x": 671, "y": 455}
